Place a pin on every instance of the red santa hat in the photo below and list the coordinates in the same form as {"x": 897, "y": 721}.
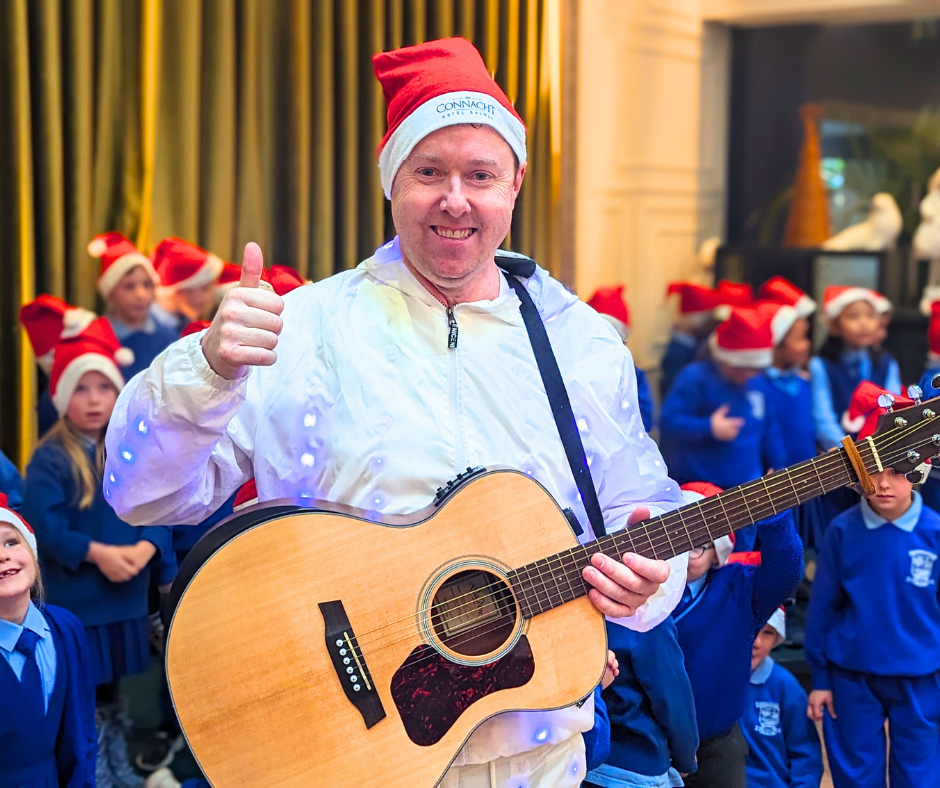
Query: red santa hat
{"x": 47, "y": 321}
{"x": 745, "y": 339}
{"x": 183, "y": 265}
{"x": 696, "y": 491}
{"x": 195, "y": 327}
{"x": 693, "y": 299}
{"x": 611, "y": 305}
{"x": 283, "y": 279}
{"x": 929, "y": 298}
{"x": 781, "y": 317}
{"x": 778, "y": 620}
{"x": 933, "y": 330}
{"x": 864, "y": 411}
{"x": 838, "y": 297}
{"x": 118, "y": 256}
{"x": 7, "y": 515}
{"x": 96, "y": 349}
{"x": 230, "y": 277}
{"x": 732, "y": 295}
{"x": 437, "y": 84}
{"x": 247, "y": 495}
{"x": 783, "y": 291}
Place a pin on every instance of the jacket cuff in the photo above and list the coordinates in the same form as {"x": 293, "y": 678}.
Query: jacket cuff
{"x": 821, "y": 679}
{"x": 200, "y": 367}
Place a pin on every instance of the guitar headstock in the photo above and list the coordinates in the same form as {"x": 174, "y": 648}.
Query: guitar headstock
{"x": 907, "y": 437}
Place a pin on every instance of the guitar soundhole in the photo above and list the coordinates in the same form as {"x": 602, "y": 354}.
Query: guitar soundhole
{"x": 473, "y": 613}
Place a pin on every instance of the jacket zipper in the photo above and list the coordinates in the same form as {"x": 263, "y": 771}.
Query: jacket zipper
{"x": 452, "y": 331}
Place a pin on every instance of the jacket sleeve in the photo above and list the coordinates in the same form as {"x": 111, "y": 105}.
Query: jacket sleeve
{"x": 781, "y": 566}
{"x": 773, "y": 450}
{"x": 802, "y": 741}
{"x": 597, "y": 740}
{"x": 46, "y": 505}
{"x": 11, "y": 483}
{"x": 659, "y": 666}
{"x": 829, "y": 432}
{"x": 679, "y": 418}
{"x": 164, "y": 562}
{"x": 824, "y": 603}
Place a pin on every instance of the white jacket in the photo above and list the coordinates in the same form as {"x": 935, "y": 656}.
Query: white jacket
{"x": 366, "y": 405}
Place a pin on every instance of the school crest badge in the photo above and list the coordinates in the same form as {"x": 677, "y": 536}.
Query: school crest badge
{"x": 921, "y": 568}
{"x": 756, "y": 398}
{"x": 768, "y": 718}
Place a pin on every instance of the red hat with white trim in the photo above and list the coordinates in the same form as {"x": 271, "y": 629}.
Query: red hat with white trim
{"x": 183, "y": 265}
{"x": 230, "y": 277}
{"x": 693, "y": 299}
{"x": 247, "y": 495}
{"x": 781, "y": 317}
{"x": 864, "y": 411}
{"x": 195, "y": 327}
{"x": 96, "y": 349}
{"x": 696, "y": 491}
{"x": 838, "y": 297}
{"x": 745, "y": 339}
{"x": 778, "y": 620}
{"x": 7, "y": 515}
{"x": 48, "y": 320}
{"x": 612, "y": 306}
{"x": 735, "y": 294}
{"x": 437, "y": 84}
{"x": 783, "y": 291}
{"x": 283, "y": 279}
{"x": 933, "y": 330}
{"x": 118, "y": 256}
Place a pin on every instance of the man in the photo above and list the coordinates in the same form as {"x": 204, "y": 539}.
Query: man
{"x": 391, "y": 378}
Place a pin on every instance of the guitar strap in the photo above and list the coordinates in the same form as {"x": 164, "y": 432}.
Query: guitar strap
{"x": 517, "y": 265}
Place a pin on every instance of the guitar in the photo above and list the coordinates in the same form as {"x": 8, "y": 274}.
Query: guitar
{"x": 315, "y": 647}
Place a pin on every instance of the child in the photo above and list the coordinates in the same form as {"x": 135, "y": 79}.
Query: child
{"x": 95, "y": 565}
{"x": 128, "y": 284}
{"x": 847, "y": 358}
{"x": 717, "y": 620}
{"x": 695, "y": 321}
{"x": 188, "y": 277}
{"x": 873, "y": 632}
{"x": 717, "y": 424}
{"x": 612, "y": 306}
{"x": 47, "y": 698}
{"x": 783, "y": 746}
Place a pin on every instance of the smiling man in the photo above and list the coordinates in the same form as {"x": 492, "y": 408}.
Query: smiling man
{"x": 390, "y": 379}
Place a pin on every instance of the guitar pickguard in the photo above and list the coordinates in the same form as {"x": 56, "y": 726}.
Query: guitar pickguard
{"x": 431, "y": 692}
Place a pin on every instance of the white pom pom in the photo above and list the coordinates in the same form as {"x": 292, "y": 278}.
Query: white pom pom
{"x": 97, "y": 247}
{"x": 74, "y": 320}
{"x": 852, "y": 426}
{"x": 124, "y": 356}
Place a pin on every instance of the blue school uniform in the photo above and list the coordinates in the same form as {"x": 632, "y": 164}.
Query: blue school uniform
{"x": 147, "y": 342}
{"x": 47, "y": 708}
{"x": 644, "y": 399}
{"x": 783, "y": 746}
{"x": 873, "y": 639}
{"x": 652, "y": 711}
{"x": 11, "y": 483}
{"x": 114, "y": 614}
{"x": 682, "y": 350}
{"x": 46, "y": 414}
{"x": 597, "y": 740}
{"x": 719, "y": 616}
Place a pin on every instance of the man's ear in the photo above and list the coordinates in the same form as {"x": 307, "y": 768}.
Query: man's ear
{"x": 517, "y": 181}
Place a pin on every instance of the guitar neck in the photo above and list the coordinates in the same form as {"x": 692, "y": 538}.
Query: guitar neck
{"x": 555, "y": 580}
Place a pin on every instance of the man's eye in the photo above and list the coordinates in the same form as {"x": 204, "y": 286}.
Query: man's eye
{"x": 426, "y": 172}
{"x": 481, "y": 176}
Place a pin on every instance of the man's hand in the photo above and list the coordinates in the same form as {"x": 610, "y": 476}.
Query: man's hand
{"x": 819, "y": 700}
{"x": 245, "y": 329}
{"x": 620, "y": 588}
{"x": 725, "y": 427}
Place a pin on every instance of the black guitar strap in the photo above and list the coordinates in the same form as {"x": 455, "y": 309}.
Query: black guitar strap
{"x": 514, "y": 266}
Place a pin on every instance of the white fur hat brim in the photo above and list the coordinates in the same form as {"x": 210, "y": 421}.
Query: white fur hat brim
{"x": 72, "y": 374}
{"x": 9, "y": 517}
{"x": 834, "y": 307}
{"x": 208, "y": 272}
{"x": 759, "y": 358}
{"x": 116, "y": 271}
{"x": 778, "y": 621}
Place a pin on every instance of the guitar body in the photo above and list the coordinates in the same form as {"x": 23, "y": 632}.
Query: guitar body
{"x": 269, "y": 621}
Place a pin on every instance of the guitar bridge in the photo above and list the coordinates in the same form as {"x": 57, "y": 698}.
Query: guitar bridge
{"x": 350, "y": 664}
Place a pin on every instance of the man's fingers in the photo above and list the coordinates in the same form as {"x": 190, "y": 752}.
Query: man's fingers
{"x": 243, "y": 356}
{"x": 650, "y": 569}
{"x": 252, "y": 266}
{"x": 238, "y": 314}
{"x": 267, "y": 300}
{"x": 624, "y": 585}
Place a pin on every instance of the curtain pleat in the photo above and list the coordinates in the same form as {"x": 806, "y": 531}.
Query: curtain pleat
{"x": 224, "y": 121}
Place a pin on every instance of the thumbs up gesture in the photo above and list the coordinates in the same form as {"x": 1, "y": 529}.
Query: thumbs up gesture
{"x": 245, "y": 329}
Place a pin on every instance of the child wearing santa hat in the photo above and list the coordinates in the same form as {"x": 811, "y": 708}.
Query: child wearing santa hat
{"x": 94, "y": 564}
{"x": 717, "y": 424}
{"x": 47, "y": 697}
{"x": 721, "y": 613}
{"x": 612, "y": 306}
{"x": 783, "y": 746}
{"x": 127, "y": 285}
{"x": 873, "y": 630}
{"x": 694, "y": 322}
{"x": 188, "y": 277}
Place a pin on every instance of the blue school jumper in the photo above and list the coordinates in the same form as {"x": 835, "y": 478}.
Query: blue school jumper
{"x": 114, "y": 614}
{"x": 147, "y": 343}
{"x": 645, "y": 400}
{"x": 719, "y": 617}
{"x": 11, "y": 483}
{"x": 652, "y": 711}
{"x": 873, "y": 639}
{"x": 597, "y": 740}
{"x": 682, "y": 349}
{"x": 46, "y": 414}
{"x": 782, "y": 741}
{"x": 49, "y": 744}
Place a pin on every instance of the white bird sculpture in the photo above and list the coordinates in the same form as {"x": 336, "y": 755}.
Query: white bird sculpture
{"x": 879, "y": 231}
{"x": 927, "y": 237}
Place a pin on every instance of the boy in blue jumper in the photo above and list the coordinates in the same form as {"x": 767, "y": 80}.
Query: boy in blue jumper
{"x": 873, "y": 637}
{"x": 717, "y": 425}
{"x": 693, "y": 324}
{"x": 653, "y": 731}
{"x": 783, "y": 746}
{"x": 719, "y": 617}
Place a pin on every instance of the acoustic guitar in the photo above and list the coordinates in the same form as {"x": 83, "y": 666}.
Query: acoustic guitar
{"x": 332, "y": 647}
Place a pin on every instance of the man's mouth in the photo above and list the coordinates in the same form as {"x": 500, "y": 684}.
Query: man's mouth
{"x": 457, "y": 233}
{"x": 8, "y": 573}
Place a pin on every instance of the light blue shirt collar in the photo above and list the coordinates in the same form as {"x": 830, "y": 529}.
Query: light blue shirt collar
{"x": 696, "y": 586}
{"x": 775, "y": 374}
{"x": 761, "y": 673}
{"x": 122, "y": 331}
{"x": 906, "y": 522}
{"x": 10, "y": 632}
{"x": 686, "y": 340}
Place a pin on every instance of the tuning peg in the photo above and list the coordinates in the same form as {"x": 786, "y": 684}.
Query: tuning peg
{"x": 915, "y": 476}
{"x": 935, "y": 381}
{"x": 885, "y": 401}
{"x": 915, "y": 392}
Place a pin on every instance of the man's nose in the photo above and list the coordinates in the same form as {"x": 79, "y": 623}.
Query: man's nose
{"x": 455, "y": 201}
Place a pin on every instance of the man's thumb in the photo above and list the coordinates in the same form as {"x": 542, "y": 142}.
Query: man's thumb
{"x": 252, "y": 265}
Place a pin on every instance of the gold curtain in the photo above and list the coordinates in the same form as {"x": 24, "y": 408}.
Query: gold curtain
{"x": 224, "y": 121}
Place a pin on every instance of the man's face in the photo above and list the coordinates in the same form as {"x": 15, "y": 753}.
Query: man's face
{"x": 452, "y": 203}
